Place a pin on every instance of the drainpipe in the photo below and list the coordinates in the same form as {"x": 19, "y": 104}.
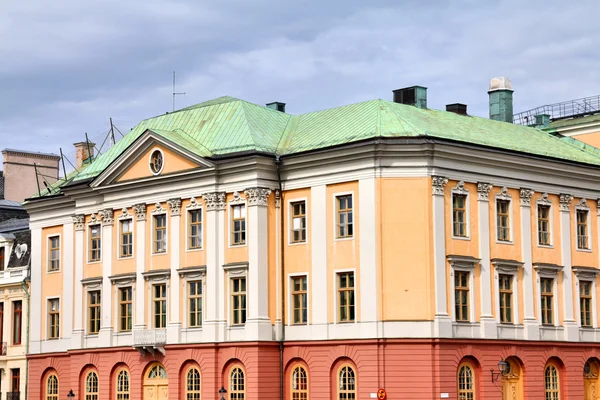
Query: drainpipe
{"x": 282, "y": 277}
{"x": 27, "y": 279}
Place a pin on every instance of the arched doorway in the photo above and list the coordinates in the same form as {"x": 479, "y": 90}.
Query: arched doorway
{"x": 156, "y": 383}
{"x": 512, "y": 380}
{"x": 590, "y": 379}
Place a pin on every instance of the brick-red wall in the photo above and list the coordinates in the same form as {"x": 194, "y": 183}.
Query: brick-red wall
{"x": 407, "y": 369}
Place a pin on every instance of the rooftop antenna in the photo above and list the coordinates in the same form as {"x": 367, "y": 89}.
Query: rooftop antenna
{"x": 112, "y": 133}
{"x": 174, "y": 92}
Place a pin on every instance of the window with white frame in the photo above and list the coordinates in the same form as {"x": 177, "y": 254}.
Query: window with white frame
{"x": 298, "y": 229}
{"x": 195, "y": 229}
{"x": 95, "y": 243}
{"x": 585, "y": 303}
{"x": 463, "y": 269}
{"x": 238, "y": 300}
{"x": 346, "y": 297}
{"x": 126, "y": 240}
{"x": 503, "y": 220}
{"x": 195, "y": 304}
{"x": 160, "y": 233}
{"x": 582, "y": 229}
{"x": 53, "y": 253}
{"x": 238, "y": 224}
{"x": 299, "y": 300}
{"x": 460, "y": 211}
{"x": 344, "y": 216}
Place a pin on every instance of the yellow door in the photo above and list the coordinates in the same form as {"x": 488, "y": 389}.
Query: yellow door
{"x": 512, "y": 384}
{"x": 590, "y": 380}
{"x": 156, "y": 383}
{"x": 589, "y": 389}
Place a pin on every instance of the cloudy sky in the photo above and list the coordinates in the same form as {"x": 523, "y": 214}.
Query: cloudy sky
{"x": 69, "y": 65}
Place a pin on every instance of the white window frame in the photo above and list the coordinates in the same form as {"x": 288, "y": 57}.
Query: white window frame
{"x": 586, "y": 275}
{"x": 544, "y": 201}
{"x": 504, "y": 195}
{"x": 460, "y": 189}
{"x": 123, "y": 217}
{"x": 504, "y": 267}
{"x": 150, "y": 287}
{"x": 550, "y": 272}
{"x": 194, "y": 205}
{"x": 159, "y": 210}
{"x": 336, "y": 305}
{"x": 91, "y": 285}
{"x": 463, "y": 264}
{"x": 335, "y": 211}
{"x": 582, "y": 206}
{"x": 154, "y": 149}
{"x": 60, "y": 241}
{"x": 60, "y": 318}
{"x": 290, "y": 217}
{"x": 237, "y": 200}
{"x": 193, "y": 274}
{"x": 119, "y": 282}
{"x": 290, "y": 298}
{"x": 88, "y": 243}
{"x": 236, "y": 270}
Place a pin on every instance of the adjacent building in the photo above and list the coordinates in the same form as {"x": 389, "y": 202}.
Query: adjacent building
{"x": 378, "y": 245}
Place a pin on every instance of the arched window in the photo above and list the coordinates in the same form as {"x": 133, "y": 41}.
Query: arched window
{"x": 551, "y": 382}
{"x": 192, "y": 391}
{"x": 466, "y": 382}
{"x": 237, "y": 384}
{"x": 346, "y": 383}
{"x": 157, "y": 372}
{"x": 91, "y": 386}
{"x": 123, "y": 385}
{"x": 52, "y": 387}
{"x": 299, "y": 383}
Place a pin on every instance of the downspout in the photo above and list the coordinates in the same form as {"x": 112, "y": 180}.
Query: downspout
{"x": 282, "y": 277}
{"x": 28, "y": 279}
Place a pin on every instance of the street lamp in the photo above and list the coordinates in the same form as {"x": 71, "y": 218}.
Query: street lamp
{"x": 71, "y": 395}
{"x": 504, "y": 369}
{"x": 222, "y": 393}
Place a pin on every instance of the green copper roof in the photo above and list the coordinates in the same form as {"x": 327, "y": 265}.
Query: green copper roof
{"x": 561, "y": 123}
{"x": 228, "y": 125}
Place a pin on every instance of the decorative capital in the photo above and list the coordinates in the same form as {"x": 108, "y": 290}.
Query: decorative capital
{"x": 107, "y": 216}
{"x": 526, "y": 195}
{"x": 277, "y": 199}
{"x": 565, "y": 202}
{"x": 437, "y": 185}
{"x": 257, "y": 196}
{"x": 174, "y": 206}
{"x": 140, "y": 211}
{"x": 483, "y": 191}
{"x": 214, "y": 201}
{"x": 79, "y": 221}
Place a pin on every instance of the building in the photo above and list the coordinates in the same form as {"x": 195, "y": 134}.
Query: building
{"x": 25, "y": 173}
{"x": 325, "y": 255}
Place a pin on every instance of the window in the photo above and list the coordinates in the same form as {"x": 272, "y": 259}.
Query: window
{"x": 91, "y": 386}
{"x": 192, "y": 391}
{"x": 582, "y": 230}
{"x": 238, "y": 300}
{"x": 346, "y": 296}
{"x": 17, "y": 321}
{"x": 346, "y": 383}
{"x": 52, "y": 387}
{"x": 503, "y": 220}
{"x": 506, "y": 296}
{"x": 2, "y": 259}
{"x": 461, "y": 296}
{"x": 195, "y": 303}
{"x": 156, "y": 162}
{"x": 551, "y": 383}
{"x": 95, "y": 243}
{"x": 466, "y": 386}
{"x": 585, "y": 303}
{"x": 53, "y": 319}
{"x": 237, "y": 384}
{"x": 299, "y": 300}
{"x": 238, "y": 224}
{"x": 299, "y": 384}
{"x": 543, "y": 225}
{"x": 160, "y": 305}
{"x": 94, "y": 312}
{"x": 15, "y": 384}
{"x": 125, "y": 309}
{"x": 547, "y": 294}
{"x": 195, "y": 229}
{"x": 54, "y": 253}
{"x": 126, "y": 238}
{"x": 299, "y": 222}
{"x": 160, "y": 233}
{"x": 158, "y": 372}
{"x": 459, "y": 215}
{"x": 123, "y": 385}
{"x": 345, "y": 220}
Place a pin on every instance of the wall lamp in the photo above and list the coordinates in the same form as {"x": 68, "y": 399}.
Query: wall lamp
{"x": 71, "y": 395}
{"x": 504, "y": 369}
{"x": 222, "y": 393}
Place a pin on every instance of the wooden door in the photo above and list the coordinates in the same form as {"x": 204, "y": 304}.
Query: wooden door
{"x": 156, "y": 383}
{"x": 589, "y": 386}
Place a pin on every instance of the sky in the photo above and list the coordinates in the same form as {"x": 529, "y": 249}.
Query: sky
{"x": 67, "y": 66}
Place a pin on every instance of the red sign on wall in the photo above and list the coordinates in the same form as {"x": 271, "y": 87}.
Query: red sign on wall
{"x": 381, "y": 394}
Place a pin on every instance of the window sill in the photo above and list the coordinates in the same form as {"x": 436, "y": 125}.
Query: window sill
{"x": 236, "y": 327}
{"x": 302, "y": 324}
{"x": 546, "y": 246}
{"x": 124, "y": 258}
{"x": 346, "y": 322}
{"x": 297, "y": 243}
{"x": 162, "y": 253}
{"x": 237, "y": 245}
{"x": 461, "y": 237}
{"x": 193, "y": 329}
{"x": 584, "y": 250}
{"x": 506, "y": 242}
{"x": 194, "y": 250}
{"x": 94, "y": 262}
{"x": 344, "y": 239}
{"x": 55, "y": 271}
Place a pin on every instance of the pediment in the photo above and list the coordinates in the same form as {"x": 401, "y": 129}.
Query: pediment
{"x": 139, "y": 161}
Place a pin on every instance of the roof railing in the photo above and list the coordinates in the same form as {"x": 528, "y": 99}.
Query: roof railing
{"x": 567, "y": 109}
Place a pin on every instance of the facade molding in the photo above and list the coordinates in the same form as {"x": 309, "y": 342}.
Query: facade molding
{"x": 525, "y": 197}
{"x": 437, "y": 185}
{"x": 214, "y": 201}
{"x": 483, "y": 191}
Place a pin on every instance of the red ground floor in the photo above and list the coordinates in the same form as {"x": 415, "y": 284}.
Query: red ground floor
{"x": 407, "y": 369}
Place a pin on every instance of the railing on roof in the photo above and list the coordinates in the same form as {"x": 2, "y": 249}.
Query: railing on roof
{"x": 567, "y": 109}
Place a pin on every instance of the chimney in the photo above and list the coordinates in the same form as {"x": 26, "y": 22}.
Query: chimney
{"x": 25, "y": 171}
{"x": 457, "y": 108}
{"x": 542, "y": 121}
{"x": 501, "y": 99}
{"x": 277, "y": 106}
{"x": 413, "y": 96}
{"x": 84, "y": 151}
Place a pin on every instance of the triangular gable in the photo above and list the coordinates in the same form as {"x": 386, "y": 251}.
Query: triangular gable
{"x": 134, "y": 163}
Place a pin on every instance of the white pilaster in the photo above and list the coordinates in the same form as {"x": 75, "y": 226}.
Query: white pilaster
{"x": 78, "y": 329}
{"x": 105, "y": 334}
{"x": 367, "y": 222}
{"x": 319, "y": 276}
{"x": 35, "y": 335}
{"x": 174, "y": 328}
{"x": 140, "y": 262}
{"x": 570, "y": 325}
{"x": 278, "y": 289}
{"x": 442, "y": 326}
{"x": 68, "y": 270}
{"x": 258, "y": 324}
{"x": 487, "y": 321}
{"x": 532, "y": 326}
